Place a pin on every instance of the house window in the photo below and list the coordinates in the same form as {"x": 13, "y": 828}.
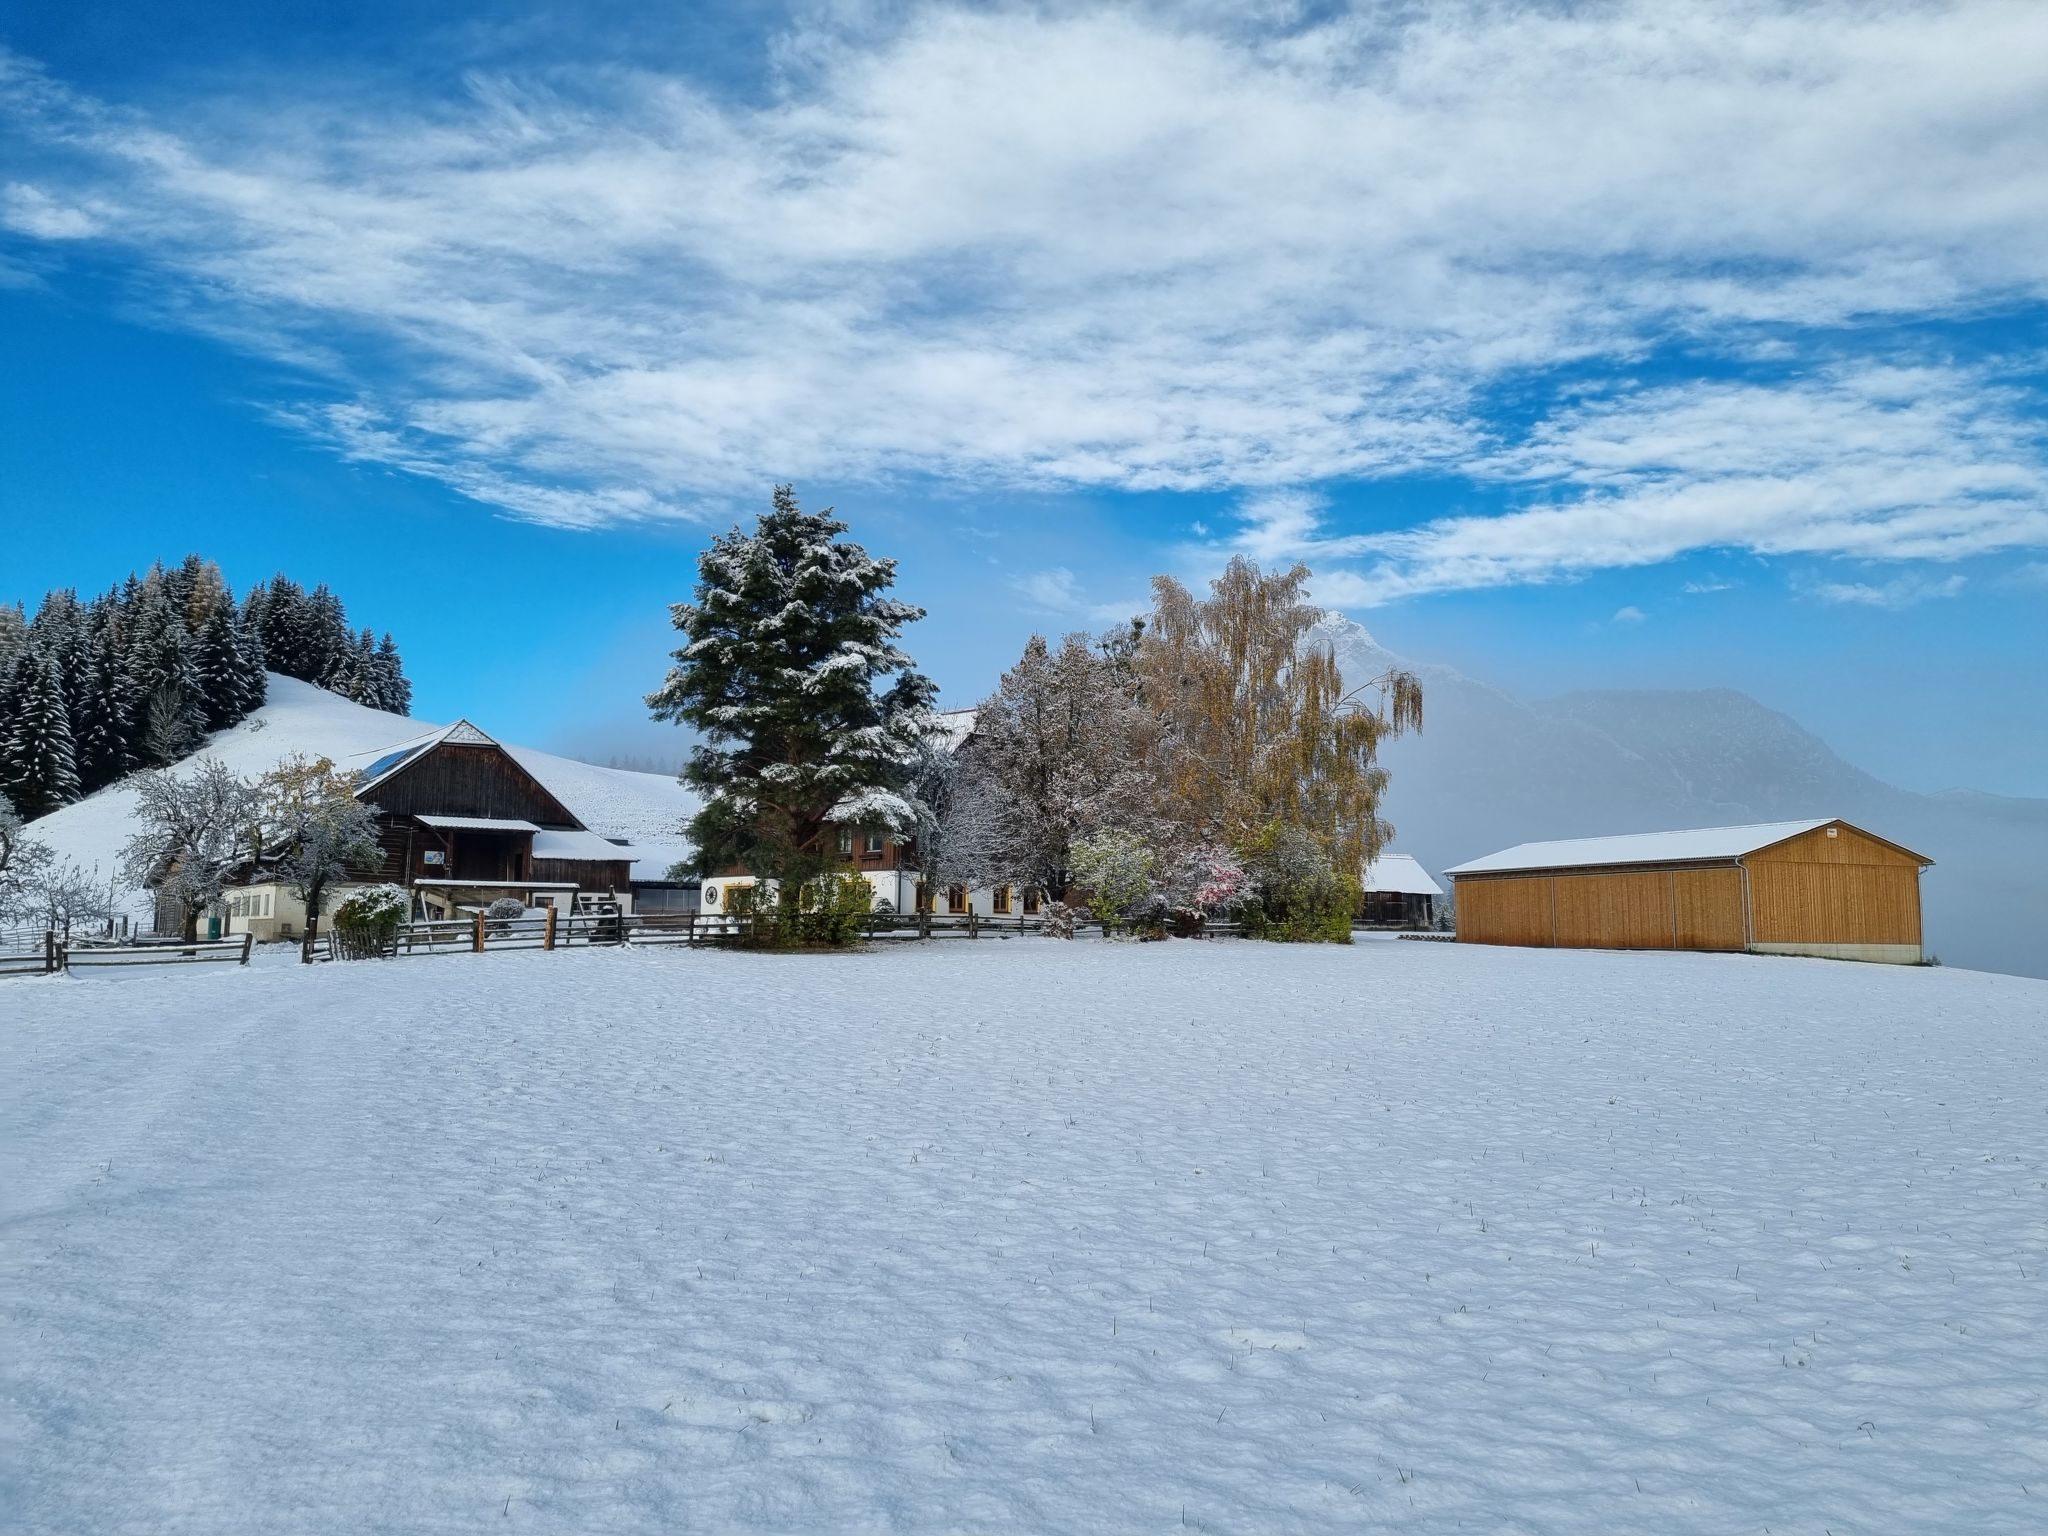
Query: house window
{"x": 845, "y": 841}
{"x": 1001, "y": 902}
{"x": 1031, "y": 901}
{"x": 874, "y": 842}
{"x": 956, "y": 898}
{"x": 924, "y": 897}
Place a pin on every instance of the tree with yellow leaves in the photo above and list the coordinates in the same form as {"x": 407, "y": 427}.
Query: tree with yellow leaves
{"x": 1261, "y": 726}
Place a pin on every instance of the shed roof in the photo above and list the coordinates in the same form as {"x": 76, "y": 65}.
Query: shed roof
{"x": 561, "y": 843}
{"x": 1400, "y": 874}
{"x": 1698, "y": 845}
{"x": 478, "y": 823}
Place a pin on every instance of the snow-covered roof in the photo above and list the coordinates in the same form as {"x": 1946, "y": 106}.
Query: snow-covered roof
{"x": 1399, "y": 873}
{"x": 398, "y": 754}
{"x": 561, "y": 843}
{"x": 1688, "y": 847}
{"x": 478, "y": 823}
{"x": 955, "y": 726}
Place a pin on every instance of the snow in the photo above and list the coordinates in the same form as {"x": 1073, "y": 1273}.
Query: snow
{"x": 1258, "y": 1238}
{"x": 479, "y": 823}
{"x": 1401, "y": 874}
{"x": 1640, "y": 847}
{"x": 557, "y": 843}
{"x": 648, "y": 809}
{"x": 872, "y": 806}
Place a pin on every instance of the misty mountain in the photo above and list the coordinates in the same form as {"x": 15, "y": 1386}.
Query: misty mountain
{"x": 1490, "y": 770}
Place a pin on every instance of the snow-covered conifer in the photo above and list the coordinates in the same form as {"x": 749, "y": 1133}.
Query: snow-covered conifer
{"x": 789, "y": 638}
{"x": 160, "y": 664}
{"x": 330, "y": 647}
{"x": 391, "y": 679}
{"x": 40, "y": 765}
{"x": 220, "y": 668}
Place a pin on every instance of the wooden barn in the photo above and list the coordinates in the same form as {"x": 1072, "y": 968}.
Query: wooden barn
{"x": 461, "y": 822}
{"x": 1783, "y": 888}
{"x": 1397, "y": 892}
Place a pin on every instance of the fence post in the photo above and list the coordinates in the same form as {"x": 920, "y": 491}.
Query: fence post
{"x": 547, "y": 938}
{"x": 477, "y": 944}
{"x": 249, "y": 938}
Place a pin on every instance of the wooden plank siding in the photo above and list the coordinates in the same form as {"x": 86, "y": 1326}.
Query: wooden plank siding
{"x": 1707, "y": 909}
{"x": 1848, "y": 845}
{"x": 1834, "y": 903}
{"x": 1844, "y": 888}
{"x": 1618, "y": 911}
{"x": 1612, "y": 909}
{"x": 1507, "y": 909}
{"x": 588, "y": 874}
{"x": 458, "y": 779}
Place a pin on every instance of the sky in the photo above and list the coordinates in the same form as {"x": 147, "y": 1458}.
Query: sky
{"x": 1647, "y": 343}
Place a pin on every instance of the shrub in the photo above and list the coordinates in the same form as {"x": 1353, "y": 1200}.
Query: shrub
{"x": 831, "y": 911}
{"x": 1116, "y": 871}
{"x": 1059, "y": 921}
{"x": 366, "y": 924}
{"x": 1300, "y": 897}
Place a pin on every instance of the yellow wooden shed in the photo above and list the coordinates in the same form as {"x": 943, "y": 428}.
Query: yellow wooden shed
{"x": 1820, "y": 887}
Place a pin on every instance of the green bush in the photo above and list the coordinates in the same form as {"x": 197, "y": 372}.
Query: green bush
{"x": 366, "y": 924}
{"x": 830, "y": 911}
{"x": 1299, "y": 896}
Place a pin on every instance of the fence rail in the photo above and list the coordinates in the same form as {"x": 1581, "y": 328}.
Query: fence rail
{"x": 58, "y": 953}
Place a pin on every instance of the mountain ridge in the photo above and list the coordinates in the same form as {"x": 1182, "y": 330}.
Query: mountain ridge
{"x": 1490, "y": 770}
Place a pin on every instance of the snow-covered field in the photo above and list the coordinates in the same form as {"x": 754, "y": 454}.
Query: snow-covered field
{"x": 647, "y": 808}
{"x": 1027, "y": 1236}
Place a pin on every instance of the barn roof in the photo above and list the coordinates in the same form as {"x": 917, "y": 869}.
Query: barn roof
{"x": 1698, "y": 845}
{"x": 1400, "y": 874}
{"x": 560, "y": 843}
{"x": 478, "y": 823}
{"x": 393, "y": 758}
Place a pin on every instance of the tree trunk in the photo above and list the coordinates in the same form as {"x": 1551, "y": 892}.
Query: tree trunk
{"x": 191, "y": 923}
{"x": 314, "y": 896}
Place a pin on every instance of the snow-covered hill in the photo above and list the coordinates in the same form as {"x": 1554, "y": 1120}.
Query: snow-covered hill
{"x": 1490, "y": 770}
{"x": 647, "y": 809}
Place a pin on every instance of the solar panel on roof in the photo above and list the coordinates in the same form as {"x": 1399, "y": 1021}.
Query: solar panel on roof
{"x": 387, "y": 762}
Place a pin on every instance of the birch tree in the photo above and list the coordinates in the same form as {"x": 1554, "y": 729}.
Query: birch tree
{"x": 1260, "y": 726}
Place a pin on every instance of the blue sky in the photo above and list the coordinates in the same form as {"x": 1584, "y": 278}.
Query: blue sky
{"x": 1644, "y": 344}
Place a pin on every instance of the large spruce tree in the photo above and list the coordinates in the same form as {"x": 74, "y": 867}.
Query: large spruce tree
{"x": 38, "y": 762}
{"x": 810, "y": 713}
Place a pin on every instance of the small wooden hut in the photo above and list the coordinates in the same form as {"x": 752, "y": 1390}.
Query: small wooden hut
{"x": 1817, "y": 887}
{"x": 1397, "y": 892}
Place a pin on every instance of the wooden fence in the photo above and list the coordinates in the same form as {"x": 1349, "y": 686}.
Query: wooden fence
{"x": 54, "y": 953}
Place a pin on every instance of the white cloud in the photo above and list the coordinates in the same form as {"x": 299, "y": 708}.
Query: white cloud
{"x": 1628, "y": 615}
{"x": 1864, "y": 463}
{"x": 1702, "y": 588}
{"x": 1055, "y": 590}
{"x": 1145, "y": 250}
{"x": 1900, "y": 592}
